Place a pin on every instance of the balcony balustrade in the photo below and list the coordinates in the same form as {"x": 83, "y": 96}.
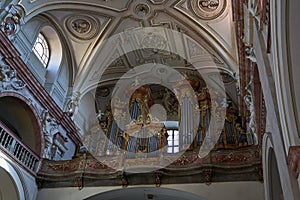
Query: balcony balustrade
{"x": 15, "y": 148}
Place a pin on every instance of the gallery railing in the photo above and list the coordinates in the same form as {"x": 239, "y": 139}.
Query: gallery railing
{"x": 15, "y": 148}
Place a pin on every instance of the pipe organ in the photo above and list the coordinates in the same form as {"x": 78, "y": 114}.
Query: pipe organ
{"x": 140, "y": 134}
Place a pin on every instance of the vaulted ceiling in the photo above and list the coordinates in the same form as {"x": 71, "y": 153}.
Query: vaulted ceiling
{"x": 207, "y": 35}
{"x": 106, "y": 39}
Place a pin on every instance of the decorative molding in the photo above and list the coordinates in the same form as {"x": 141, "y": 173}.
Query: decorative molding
{"x": 83, "y": 27}
{"x": 250, "y": 52}
{"x": 208, "y": 9}
{"x": 233, "y": 157}
{"x": 32, "y": 7}
{"x": 153, "y": 42}
{"x": 157, "y": 1}
{"x": 9, "y": 80}
{"x": 219, "y": 166}
{"x": 142, "y": 10}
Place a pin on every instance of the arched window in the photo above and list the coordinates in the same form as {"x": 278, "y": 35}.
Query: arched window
{"x": 41, "y": 49}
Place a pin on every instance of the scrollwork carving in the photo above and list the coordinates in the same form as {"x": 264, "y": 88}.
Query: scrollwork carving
{"x": 9, "y": 80}
{"x": 11, "y": 20}
{"x": 250, "y": 53}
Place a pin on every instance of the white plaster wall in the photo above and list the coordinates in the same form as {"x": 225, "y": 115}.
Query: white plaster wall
{"x": 86, "y": 117}
{"x": 293, "y": 69}
{"x": 215, "y": 191}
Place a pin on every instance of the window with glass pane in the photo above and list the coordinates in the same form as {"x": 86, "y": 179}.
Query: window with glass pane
{"x": 41, "y": 49}
{"x": 173, "y": 141}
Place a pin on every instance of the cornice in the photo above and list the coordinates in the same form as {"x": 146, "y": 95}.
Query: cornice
{"x": 242, "y": 164}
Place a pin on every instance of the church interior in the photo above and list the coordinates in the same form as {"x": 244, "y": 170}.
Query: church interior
{"x": 149, "y": 99}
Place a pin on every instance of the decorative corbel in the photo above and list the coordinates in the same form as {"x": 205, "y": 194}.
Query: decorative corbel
{"x": 79, "y": 181}
{"x": 158, "y": 176}
{"x": 207, "y": 174}
{"x": 124, "y": 180}
{"x": 183, "y": 160}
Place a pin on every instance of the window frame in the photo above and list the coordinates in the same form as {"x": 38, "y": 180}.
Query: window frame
{"x": 45, "y": 57}
{"x": 172, "y": 147}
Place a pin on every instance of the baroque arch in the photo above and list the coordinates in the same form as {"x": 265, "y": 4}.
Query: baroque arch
{"x": 18, "y": 115}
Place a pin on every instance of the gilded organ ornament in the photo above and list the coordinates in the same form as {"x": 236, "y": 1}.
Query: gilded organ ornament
{"x": 208, "y": 9}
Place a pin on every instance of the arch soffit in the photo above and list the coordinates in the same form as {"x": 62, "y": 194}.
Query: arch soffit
{"x": 282, "y": 71}
{"x": 14, "y": 175}
{"x": 141, "y": 192}
{"x": 267, "y": 147}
